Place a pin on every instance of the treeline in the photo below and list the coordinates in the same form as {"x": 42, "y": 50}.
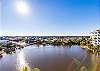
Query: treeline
{"x": 9, "y": 47}
{"x": 67, "y": 42}
{"x": 57, "y": 42}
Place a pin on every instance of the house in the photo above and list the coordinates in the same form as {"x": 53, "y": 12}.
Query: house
{"x": 4, "y": 42}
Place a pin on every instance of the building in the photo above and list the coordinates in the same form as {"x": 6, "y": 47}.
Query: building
{"x": 95, "y": 37}
{"x": 4, "y": 41}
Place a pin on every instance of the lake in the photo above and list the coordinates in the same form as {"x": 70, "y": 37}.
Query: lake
{"x": 51, "y": 58}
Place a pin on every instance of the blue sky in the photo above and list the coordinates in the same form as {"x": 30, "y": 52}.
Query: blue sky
{"x": 50, "y": 17}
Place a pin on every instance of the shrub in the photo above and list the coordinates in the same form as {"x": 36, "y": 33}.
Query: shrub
{"x": 36, "y": 69}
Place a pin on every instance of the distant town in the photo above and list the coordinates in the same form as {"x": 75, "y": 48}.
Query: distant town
{"x": 9, "y": 44}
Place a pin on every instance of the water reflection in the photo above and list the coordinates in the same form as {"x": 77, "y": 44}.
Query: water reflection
{"x": 21, "y": 62}
{"x": 95, "y": 60}
{"x": 51, "y": 58}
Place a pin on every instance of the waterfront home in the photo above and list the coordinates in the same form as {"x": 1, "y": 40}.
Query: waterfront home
{"x": 4, "y": 42}
{"x": 95, "y": 37}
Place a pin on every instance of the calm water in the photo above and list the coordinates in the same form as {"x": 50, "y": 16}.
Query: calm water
{"x": 51, "y": 58}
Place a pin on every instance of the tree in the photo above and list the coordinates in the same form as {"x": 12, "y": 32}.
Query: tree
{"x": 36, "y": 69}
{"x": 0, "y": 44}
{"x": 25, "y": 69}
{"x": 98, "y": 47}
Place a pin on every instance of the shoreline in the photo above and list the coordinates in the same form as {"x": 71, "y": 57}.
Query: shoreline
{"x": 93, "y": 50}
{"x": 84, "y": 47}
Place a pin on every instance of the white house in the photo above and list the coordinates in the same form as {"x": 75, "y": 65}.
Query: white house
{"x": 4, "y": 41}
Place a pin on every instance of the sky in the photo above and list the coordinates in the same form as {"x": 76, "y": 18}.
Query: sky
{"x": 49, "y": 17}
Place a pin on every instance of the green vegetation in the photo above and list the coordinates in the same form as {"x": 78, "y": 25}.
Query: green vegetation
{"x": 9, "y": 48}
{"x": 0, "y": 45}
{"x": 26, "y": 69}
{"x": 83, "y": 41}
{"x": 36, "y": 69}
{"x": 87, "y": 43}
{"x": 64, "y": 42}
